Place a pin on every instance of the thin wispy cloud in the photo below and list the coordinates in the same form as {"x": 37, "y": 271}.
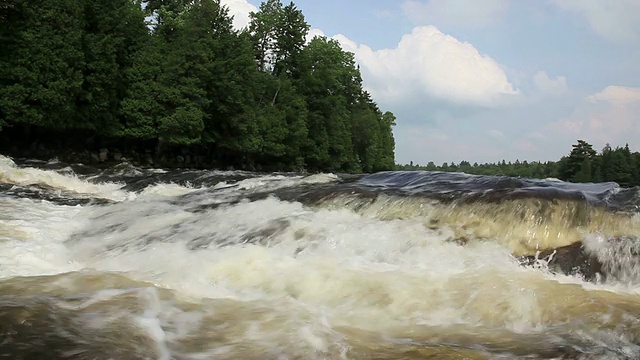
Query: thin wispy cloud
{"x": 456, "y": 12}
{"x": 617, "y": 20}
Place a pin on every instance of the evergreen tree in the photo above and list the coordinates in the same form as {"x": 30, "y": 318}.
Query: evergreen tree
{"x": 41, "y": 58}
{"x": 576, "y": 159}
{"x": 584, "y": 174}
{"x": 388, "y": 143}
{"x": 326, "y": 85}
{"x": 113, "y": 32}
{"x": 278, "y": 34}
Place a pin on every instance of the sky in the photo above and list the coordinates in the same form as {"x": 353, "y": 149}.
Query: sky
{"x": 487, "y": 80}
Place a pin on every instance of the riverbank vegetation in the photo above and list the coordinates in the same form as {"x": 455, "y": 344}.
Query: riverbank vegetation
{"x": 582, "y": 164}
{"x": 172, "y": 80}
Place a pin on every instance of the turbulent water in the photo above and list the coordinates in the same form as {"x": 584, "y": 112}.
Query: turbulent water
{"x": 130, "y": 263}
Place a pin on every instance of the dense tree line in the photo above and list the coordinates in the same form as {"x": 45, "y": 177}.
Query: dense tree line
{"x": 583, "y": 164}
{"x": 534, "y": 169}
{"x": 175, "y": 74}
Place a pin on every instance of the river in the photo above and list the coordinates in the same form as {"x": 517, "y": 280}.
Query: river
{"x": 132, "y": 263}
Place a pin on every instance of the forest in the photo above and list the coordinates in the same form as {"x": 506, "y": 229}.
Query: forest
{"x": 173, "y": 77}
{"x": 583, "y": 164}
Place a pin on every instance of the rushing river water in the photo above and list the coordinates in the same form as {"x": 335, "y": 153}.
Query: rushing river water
{"x": 131, "y": 263}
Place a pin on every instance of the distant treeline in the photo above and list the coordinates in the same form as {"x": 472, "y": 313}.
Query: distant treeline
{"x": 583, "y": 164}
{"x": 174, "y": 76}
{"x": 535, "y": 169}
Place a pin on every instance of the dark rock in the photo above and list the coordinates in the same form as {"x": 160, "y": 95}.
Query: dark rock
{"x": 103, "y": 155}
{"x": 117, "y": 155}
{"x": 148, "y": 160}
{"x": 568, "y": 260}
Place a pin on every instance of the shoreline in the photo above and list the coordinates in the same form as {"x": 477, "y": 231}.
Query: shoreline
{"x": 87, "y": 148}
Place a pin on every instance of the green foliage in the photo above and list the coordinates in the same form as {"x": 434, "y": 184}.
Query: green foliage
{"x": 347, "y": 131}
{"x": 580, "y": 156}
{"x": 584, "y": 174}
{"x": 182, "y": 126}
{"x": 583, "y": 164}
{"x": 524, "y": 169}
{"x": 113, "y": 30}
{"x": 323, "y": 83}
{"x": 278, "y": 33}
{"x": 175, "y": 73}
{"x": 142, "y": 105}
{"x": 41, "y": 58}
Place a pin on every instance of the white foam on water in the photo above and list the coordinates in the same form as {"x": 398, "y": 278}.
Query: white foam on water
{"x": 32, "y": 235}
{"x": 254, "y": 183}
{"x": 595, "y": 242}
{"x": 11, "y": 174}
{"x": 322, "y": 178}
{"x": 151, "y": 322}
{"x": 360, "y": 272}
{"x": 269, "y": 182}
{"x": 619, "y": 256}
{"x": 167, "y": 190}
{"x": 273, "y": 182}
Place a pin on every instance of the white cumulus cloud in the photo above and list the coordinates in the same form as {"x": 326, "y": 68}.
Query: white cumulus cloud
{"x": 430, "y": 65}
{"x": 551, "y": 86}
{"x": 313, "y": 32}
{"x": 615, "y": 20}
{"x": 456, "y": 12}
{"x": 240, "y": 10}
{"x": 617, "y": 95}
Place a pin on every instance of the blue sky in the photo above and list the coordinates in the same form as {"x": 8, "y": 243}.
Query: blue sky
{"x": 486, "y": 80}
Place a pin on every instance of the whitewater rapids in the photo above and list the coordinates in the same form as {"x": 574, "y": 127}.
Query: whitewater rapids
{"x": 130, "y": 263}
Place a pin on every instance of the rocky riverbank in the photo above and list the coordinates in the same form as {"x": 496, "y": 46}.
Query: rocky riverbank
{"x": 110, "y": 156}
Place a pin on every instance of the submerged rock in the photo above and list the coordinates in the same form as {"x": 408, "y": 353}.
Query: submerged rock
{"x": 569, "y": 260}
{"x": 39, "y": 328}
